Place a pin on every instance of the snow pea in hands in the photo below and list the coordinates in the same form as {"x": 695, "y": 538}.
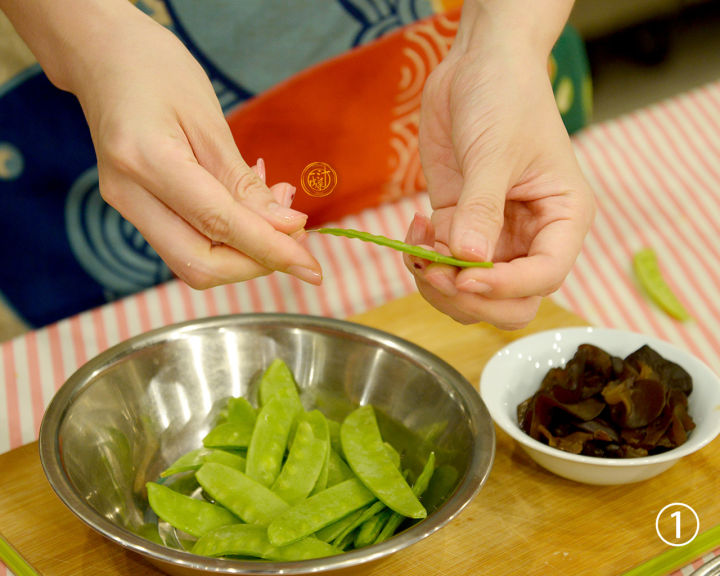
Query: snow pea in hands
{"x": 411, "y": 249}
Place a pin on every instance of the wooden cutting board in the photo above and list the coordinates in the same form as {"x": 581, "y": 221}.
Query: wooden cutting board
{"x": 524, "y": 520}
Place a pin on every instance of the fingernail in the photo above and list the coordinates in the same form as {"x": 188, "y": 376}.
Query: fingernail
{"x": 289, "y": 195}
{"x": 299, "y": 235}
{"x": 260, "y": 167}
{"x": 418, "y": 232}
{"x": 475, "y": 244}
{"x": 305, "y": 274}
{"x": 474, "y": 286}
{"x": 286, "y": 213}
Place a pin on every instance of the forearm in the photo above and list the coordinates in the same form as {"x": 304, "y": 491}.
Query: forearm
{"x": 70, "y": 38}
{"x": 530, "y": 26}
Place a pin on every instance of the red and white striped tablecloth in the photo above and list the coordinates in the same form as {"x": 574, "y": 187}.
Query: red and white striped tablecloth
{"x": 656, "y": 174}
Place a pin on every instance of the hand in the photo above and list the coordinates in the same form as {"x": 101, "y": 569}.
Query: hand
{"x": 503, "y": 182}
{"x": 167, "y": 160}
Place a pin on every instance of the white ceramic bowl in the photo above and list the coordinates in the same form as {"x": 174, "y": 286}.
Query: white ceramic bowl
{"x": 515, "y": 373}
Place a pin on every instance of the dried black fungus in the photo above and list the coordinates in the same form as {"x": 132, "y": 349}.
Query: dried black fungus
{"x": 602, "y": 405}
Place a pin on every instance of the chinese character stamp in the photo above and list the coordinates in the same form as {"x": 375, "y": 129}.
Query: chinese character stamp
{"x": 318, "y": 179}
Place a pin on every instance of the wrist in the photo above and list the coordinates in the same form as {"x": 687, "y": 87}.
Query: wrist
{"x": 70, "y": 38}
{"x": 529, "y": 27}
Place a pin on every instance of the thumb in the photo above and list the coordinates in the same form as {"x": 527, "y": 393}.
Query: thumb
{"x": 479, "y": 216}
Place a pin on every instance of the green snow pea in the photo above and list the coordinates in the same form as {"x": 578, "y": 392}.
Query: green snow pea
{"x": 419, "y": 487}
{"x": 365, "y": 514}
{"x": 229, "y": 434}
{"x": 246, "y": 498}
{"x": 334, "y": 429}
{"x": 423, "y": 480}
{"x": 368, "y": 457}
{"x": 225, "y": 457}
{"x": 239, "y": 409}
{"x": 302, "y": 467}
{"x": 346, "y": 542}
{"x": 394, "y": 454}
{"x": 332, "y": 532}
{"x": 338, "y": 470}
{"x": 321, "y": 431}
{"x": 196, "y": 458}
{"x": 317, "y": 511}
{"x": 190, "y": 461}
{"x": 250, "y": 540}
{"x": 277, "y": 380}
{"x": 371, "y": 528}
{"x": 404, "y": 247}
{"x": 195, "y": 517}
{"x": 442, "y": 483}
{"x": 269, "y": 439}
{"x": 236, "y": 429}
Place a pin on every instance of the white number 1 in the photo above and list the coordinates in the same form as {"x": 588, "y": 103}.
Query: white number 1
{"x": 678, "y": 532}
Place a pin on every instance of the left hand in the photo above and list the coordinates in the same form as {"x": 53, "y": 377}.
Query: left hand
{"x": 503, "y": 182}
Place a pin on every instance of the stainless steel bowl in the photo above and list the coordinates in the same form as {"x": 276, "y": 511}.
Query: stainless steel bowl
{"x": 129, "y": 412}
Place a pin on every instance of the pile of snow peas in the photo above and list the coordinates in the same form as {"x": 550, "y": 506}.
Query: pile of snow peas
{"x": 281, "y": 483}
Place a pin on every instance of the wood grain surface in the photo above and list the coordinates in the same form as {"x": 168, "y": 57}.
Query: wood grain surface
{"x": 523, "y": 521}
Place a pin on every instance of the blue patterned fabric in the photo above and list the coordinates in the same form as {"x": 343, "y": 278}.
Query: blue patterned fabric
{"x": 68, "y": 250}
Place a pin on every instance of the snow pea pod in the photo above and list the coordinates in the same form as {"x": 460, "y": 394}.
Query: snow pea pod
{"x": 368, "y": 457}
{"x": 648, "y": 272}
{"x": 196, "y": 458}
{"x": 411, "y": 249}
{"x": 419, "y": 488}
{"x": 249, "y": 540}
{"x": 225, "y": 457}
{"x": 365, "y": 515}
{"x": 393, "y": 453}
{"x": 195, "y": 517}
{"x": 239, "y": 409}
{"x": 332, "y": 532}
{"x": 321, "y": 431}
{"x": 318, "y": 511}
{"x": 346, "y": 542}
{"x": 334, "y": 429}
{"x": 243, "y": 496}
{"x": 269, "y": 439}
{"x": 277, "y": 380}
{"x": 344, "y": 537}
{"x": 423, "y": 480}
{"x": 235, "y": 430}
{"x": 189, "y": 461}
{"x": 371, "y": 528}
{"x": 230, "y": 434}
{"x": 338, "y": 470}
{"x": 302, "y": 467}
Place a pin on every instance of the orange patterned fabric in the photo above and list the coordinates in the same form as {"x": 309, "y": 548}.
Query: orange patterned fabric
{"x": 358, "y": 112}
